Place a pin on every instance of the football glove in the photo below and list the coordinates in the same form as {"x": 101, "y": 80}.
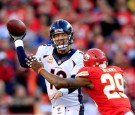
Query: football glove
{"x": 18, "y": 37}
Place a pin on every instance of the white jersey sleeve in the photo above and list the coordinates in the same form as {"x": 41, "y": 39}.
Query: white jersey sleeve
{"x": 42, "y": 51}
{"x": 78, "y": 59}
{"x": 38, "y": 54}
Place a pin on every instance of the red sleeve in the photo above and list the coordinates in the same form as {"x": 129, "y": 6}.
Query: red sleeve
{"x": 83, "y": 72}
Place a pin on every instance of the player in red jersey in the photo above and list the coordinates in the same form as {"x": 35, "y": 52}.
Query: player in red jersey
{"x": 103, "y": 83}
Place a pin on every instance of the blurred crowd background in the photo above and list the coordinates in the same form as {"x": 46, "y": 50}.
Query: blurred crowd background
{"x": 105, "y": 24}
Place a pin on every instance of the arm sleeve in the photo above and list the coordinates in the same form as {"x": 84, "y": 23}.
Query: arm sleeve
{"x": 39, "y": 53}
{"x": 83, "y": 72}
{"x": 21, "y": 53}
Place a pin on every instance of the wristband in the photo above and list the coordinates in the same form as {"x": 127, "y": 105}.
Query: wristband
{"x": 19, "y": 43}
{"x": 41, "y": 68}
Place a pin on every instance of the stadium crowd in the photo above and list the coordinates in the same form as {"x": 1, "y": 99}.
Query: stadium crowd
{"x": 105, "y": 24}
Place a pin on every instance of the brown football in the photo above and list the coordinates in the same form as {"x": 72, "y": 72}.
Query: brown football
{"x": 16, "y": 27}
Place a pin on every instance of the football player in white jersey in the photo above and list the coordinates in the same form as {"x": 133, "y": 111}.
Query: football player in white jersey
{"x": 60, "y": 60}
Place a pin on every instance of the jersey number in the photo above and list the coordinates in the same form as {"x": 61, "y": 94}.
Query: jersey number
{"x": 116, "y": 83}
{"x": 59, "y": 73}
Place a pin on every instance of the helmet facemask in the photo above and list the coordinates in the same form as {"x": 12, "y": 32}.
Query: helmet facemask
{"x": 61, "y": 43}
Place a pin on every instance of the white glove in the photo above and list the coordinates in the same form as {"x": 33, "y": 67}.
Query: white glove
{"x": 56, "y": 95}
{"x": 18, "y": 37}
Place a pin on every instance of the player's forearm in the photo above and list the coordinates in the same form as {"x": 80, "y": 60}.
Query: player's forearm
{"x": 53, "y": 79}
{"x": 59, "y": 82}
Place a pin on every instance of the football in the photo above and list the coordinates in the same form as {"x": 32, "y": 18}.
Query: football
{"x": 16, "y": 27}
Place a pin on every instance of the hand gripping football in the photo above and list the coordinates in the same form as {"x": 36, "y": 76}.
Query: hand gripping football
{"x": 16, "y": 28}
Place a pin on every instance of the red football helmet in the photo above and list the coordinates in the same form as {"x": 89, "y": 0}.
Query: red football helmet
{"x": 94, "y": 57}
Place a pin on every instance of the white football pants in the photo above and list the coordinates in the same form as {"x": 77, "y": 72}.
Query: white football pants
{"x": 72, "y": 110}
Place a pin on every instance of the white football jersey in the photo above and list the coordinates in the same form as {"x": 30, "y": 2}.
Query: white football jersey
{"x": 64, "y": 67}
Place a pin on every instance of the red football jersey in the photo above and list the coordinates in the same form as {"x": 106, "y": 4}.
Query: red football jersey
{"x": 108, "y": 90}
